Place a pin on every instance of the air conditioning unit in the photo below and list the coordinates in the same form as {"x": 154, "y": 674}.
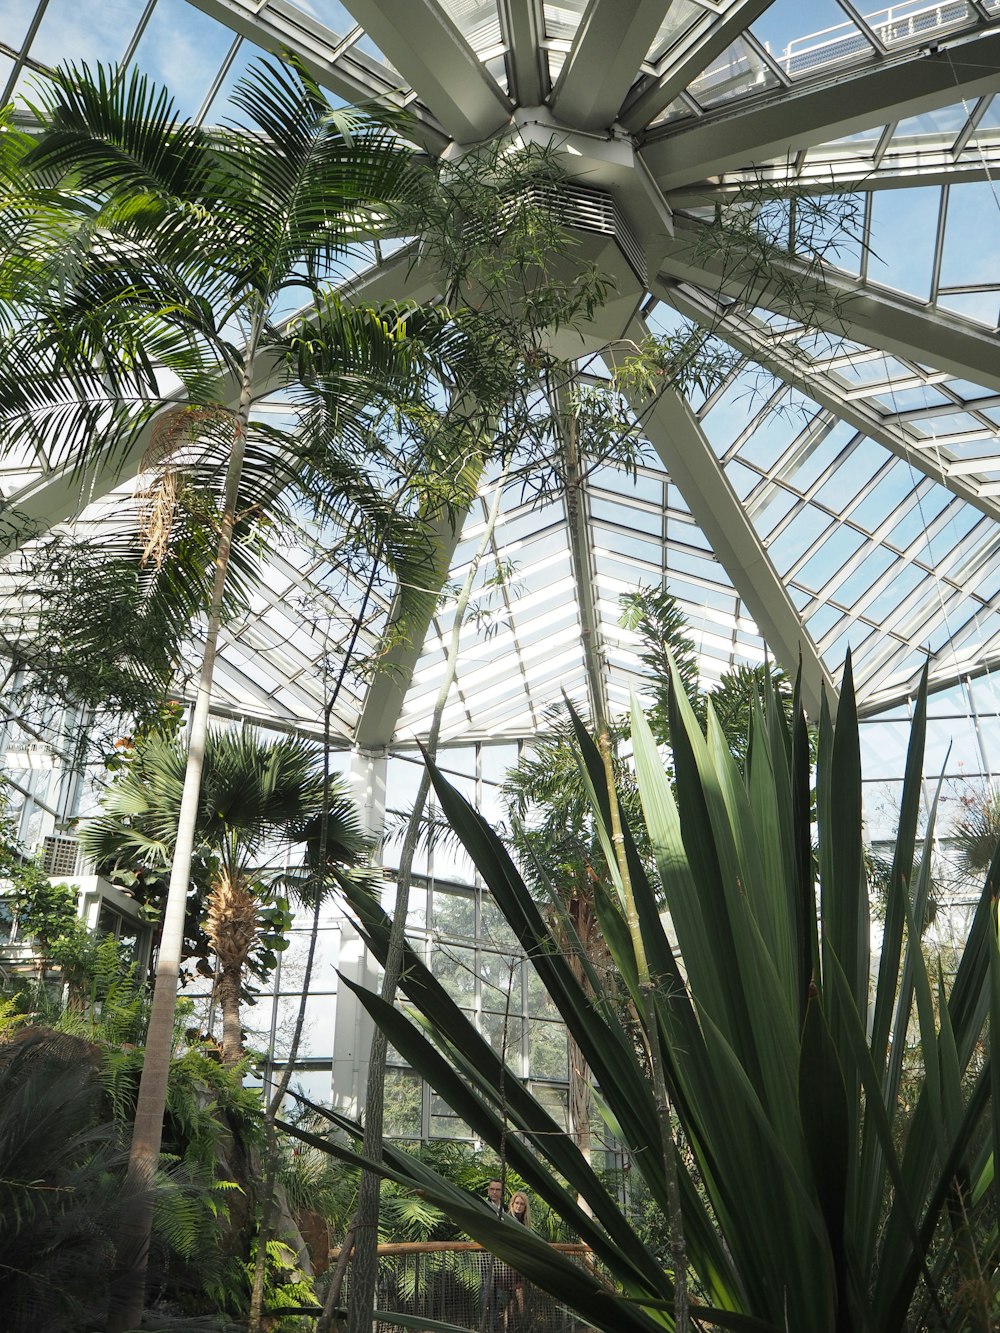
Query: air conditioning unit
{"x": 60, "y": 856}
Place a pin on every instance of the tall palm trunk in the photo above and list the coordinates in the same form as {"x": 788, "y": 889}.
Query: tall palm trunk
{"x": 128, "y": 1285}
{"x": 231, "y": 926}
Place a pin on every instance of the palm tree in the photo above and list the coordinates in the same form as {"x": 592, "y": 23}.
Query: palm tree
{"x": 157, "y": 323}
{"x": 258, "y": 798}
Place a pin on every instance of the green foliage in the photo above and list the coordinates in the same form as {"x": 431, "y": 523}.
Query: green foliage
{"x": 688, "y": 360}
{"x": 814, "y": 1194}
{"x": 256, "y": 794}
{"x": 11, "y": 1017}
{"x": 46, "y": 912}
{"x": 654, "y": 614}
{"x": 976, "y": 833}
{"x": 286, "y": 1286}
{"x": 60, "y": 1185}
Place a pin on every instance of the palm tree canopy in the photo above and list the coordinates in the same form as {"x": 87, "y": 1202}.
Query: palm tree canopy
{"x": 258, "y": 796}
{"x": 165, "y": 260}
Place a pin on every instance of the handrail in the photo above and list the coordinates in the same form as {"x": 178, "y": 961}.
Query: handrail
{"x": 457, "y": 1247}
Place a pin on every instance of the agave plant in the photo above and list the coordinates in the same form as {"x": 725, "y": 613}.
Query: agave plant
{"x": 815, "y": 1195}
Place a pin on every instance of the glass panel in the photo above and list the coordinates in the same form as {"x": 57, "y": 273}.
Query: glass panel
{"x": 445, "y": 1124}
{"x": 477, "y": 20}
{"x": 91, "y": 33}
{"x": 453, "y": 914}
{"x": 500, "y": 977}
{"x": 17, "y": 14}
{"x": 738, "y": 72}
{"x": 563, "y": 19}
{"x": 982, "y": 307}
{"x": 455, "y": 968}
{"x": 402, "y": 1104}
{"x": 184, "y": 49}
{"x": 547, "y": 1057}
{"x": 944, "y": 123}
{"x": 903, "y": 232}
{"x": 681, "y": 16}
{"x": 503, "y": 1032}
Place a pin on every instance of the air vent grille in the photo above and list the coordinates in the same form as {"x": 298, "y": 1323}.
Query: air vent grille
{"x": 60, "y": 856}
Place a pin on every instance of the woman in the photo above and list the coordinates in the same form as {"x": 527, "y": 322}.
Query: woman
{"x": 520, "y": 1210}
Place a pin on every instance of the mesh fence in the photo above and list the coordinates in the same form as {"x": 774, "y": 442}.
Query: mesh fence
{"x": 458, "y": 1283}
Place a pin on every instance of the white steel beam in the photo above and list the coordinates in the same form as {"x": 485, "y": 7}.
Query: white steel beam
{"x": 610, "y": 44}
{"x": 279, "y": 27}
{"x": 890, "y": 321}
{"x": 387, "y": 691}
{"x": 422, "y": 42}
{"x": 838, "y": 172}
{"x": 814, "y": 113}
{"x": 675, "y": 433}
{"x": 696, "y": 50}
{"x": 523, "y": 27}
{"x": 795, "y": 370}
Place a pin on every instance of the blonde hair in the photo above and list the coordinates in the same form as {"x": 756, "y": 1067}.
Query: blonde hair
{"x": 520, "y": 1194}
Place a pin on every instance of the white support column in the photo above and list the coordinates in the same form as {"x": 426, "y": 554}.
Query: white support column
{"x": 352, "y": 1034}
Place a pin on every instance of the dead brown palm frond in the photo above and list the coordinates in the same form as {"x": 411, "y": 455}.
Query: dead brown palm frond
{"x": 160, "y": 502}
{"x": 231, "y": 923}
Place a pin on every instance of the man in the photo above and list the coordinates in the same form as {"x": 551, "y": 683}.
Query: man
{"x": 490, "y": 1304}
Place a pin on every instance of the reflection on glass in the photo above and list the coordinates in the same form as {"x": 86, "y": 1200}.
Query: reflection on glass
{"x": 547, "y": 1055}
{"x": 402, "y": 1104}
{"x": 681, "y": 16}
{"x": 737, "y": 72}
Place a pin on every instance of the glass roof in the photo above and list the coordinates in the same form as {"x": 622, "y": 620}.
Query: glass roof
{"x": 840, "y": 488}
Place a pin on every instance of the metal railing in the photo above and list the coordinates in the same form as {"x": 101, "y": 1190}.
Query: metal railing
{"x": 893, "y": 26}
{"x": 459, "y": 1283}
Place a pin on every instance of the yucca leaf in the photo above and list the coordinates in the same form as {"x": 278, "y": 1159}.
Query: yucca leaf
{"x": 826, "y": 1126}
{"x": 486, "y": 1071}
{"x": 604, "y": 1045}
{"x": 843, "y": 887}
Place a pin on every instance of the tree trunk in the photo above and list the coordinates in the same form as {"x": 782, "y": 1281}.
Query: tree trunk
{"x": 228, "y": 990}
{"x": 128, "y": 1284}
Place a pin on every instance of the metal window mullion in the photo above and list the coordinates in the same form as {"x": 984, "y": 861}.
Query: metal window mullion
{"x": 974, "y": 712}
{"x": 939, "y": 243}
{"x": 29, "y": 37}
{"x": 765, "y": 56}
{"x": 866, "y": 235}
{"x": 970, "y": 127}
{"x": 136, "y": 37}
{"x": 217, "y": 82}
